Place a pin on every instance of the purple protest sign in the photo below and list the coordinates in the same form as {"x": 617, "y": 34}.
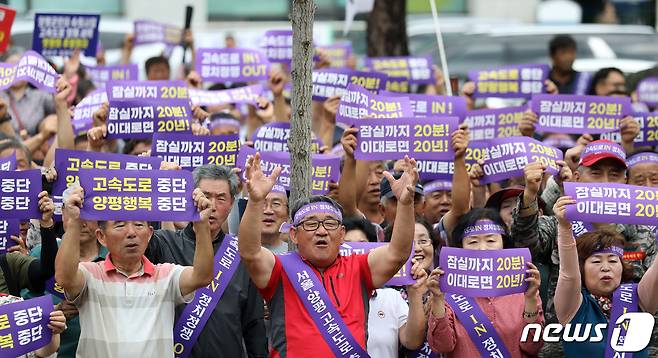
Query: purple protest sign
{"x": 357, "y": 103}
{"x": 140, "y": 108}
{"x": 325, "y": 168}
{"x": 101, "y": 75}
{"x": 8, "y": 163}
{"x": 83, "y": 114}
{"x": 19, "y": 191}
{"x": 444, "y": 169}
{"x": 231, "y": 65}
{"x": 427, "y": 105}
{"x": 277, "y": 45}
{"x": 334, "y": 82}
{"x": 560, "y": 142}
{"x": 247, "y": 94}
{"x": 273, "y": 137}
{"x": 31, "y": 68}
{"x": 505, "y": 158}
{"x": 398, "y": 85}
{"x": 485, "y": 124}
{"x": 612, "y": 203}
{"x": 647, "y": 91}
{"x": 8, "y": 228}
{"x": 520, "y": 81}
{"x": 402, "y": 278}
{"x": 648, "y": 134}
{"x": 190, "y": 151}
{"x": 483, "y": 273}
{"x": 61, "y": 34}
{"x": 579, "y": 114}
{"x": 24, "y": 326}
{"x": 418, "y": 70}
{"x": 138, "y": 195}
{"x": 147, "y": 32}
{"x": 393, "y": 138}
{"x": 68, "y": 164}
{"x": 338, "y": 54}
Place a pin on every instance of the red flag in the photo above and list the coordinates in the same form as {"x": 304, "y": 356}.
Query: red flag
{"x": 7, "y": 16}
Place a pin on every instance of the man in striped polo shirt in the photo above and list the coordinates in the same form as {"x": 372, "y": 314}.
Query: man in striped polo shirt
{"x": 126, "y": 303}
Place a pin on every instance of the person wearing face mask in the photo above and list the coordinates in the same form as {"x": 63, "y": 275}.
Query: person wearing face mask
{"x": 483, "y": 229}
{"x": 603, "y": 162}
{"x": 593, "y": 277}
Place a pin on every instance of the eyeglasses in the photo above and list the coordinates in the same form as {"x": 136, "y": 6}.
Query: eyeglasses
{"x": 312, "y": 225}
{"x": 423, "y": 242}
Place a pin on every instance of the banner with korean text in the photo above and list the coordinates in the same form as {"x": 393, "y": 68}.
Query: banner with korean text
{"x": 231, "y": 65}
{"x": 24, "y": 326}
{"x": 148, "y": 32}
{"x": 483, "y": 273}
{"x": 579, "y": 114}
{"x": 485, "y": 124}
{"x": 19, "y": 192}
{"x": 246, "y": 94}
{"x": 61, "y": 34}
{"x": 191, "y": 151}
{"x": 333, "y": 82}
{"x": 357, "y": 103}
{"x": 101, "y": 75}
{"x": 273, "y": 137}
{"x": 418, "y": 70}
{"x": 31, "y": 68}
{"x": 520, "y": 81}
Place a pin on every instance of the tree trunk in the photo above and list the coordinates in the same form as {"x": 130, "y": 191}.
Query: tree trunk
{"x": 301, "y": 15}
{"x": 387, "y": 29}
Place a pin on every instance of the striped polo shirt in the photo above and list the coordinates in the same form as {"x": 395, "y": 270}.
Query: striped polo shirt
{"x": 128, "y": 316}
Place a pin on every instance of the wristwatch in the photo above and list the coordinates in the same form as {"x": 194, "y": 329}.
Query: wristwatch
{"x": 533, "y": 205}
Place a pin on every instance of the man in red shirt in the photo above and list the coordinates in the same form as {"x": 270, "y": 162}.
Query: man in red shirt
{"x": 318, "y": 232}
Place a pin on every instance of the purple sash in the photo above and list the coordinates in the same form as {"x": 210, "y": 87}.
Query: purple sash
{"x": 318, "y": 305}
{"x": 477, "y": 324}
{"x": 580, "y": 227}
{"x": 423, "y": 352}
{"x": 624, "y": 300}
{"x": 54, "y": 288}
{"x": 196, "y": 313}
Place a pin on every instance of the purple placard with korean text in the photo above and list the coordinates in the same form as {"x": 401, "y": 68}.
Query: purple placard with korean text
{"x": 444, "y": 169}
{"x": 148, "y": 32}
{"x": 520, "y": 81}
{"x": 19, "y": 191}
{"x": 101, "y": 75}
{"x": 61, "y": 34}
{"x": 273, "y": 137}
{"x": 334, "y": 82}
{"x": 68, "y": 164}
{"x": 140, "y": 108}
{"x": 338, "y": 53}
{"x": 190, "y": 151}
{"x": 428, "y": 105}
{"x": 24, "y": 326}
{"x": 8, "y": 228}
{"x": 277, "y": 45}
{"x": 418, "y": 70}
{"x": 325, "y": 168}
{"x": 8, "y": 163}
{"x": 483, "y": 273}
{"x": 612, "y": 203}
{"x": 32, "y": 68}
{"x": 231, "y": 65}
{"x": 399, "y": 85}
{"x": 83, "y": 114}
{"x": 579, "y": 114}
{"x": 393, "y": 138}
{"x": 648, "y": 135}
{"x": 156, "y": 195}
{"x": 358, "y": 103}
{"x": 647, "y": 91}
{"x": 246, "y": 94}
{"x": 485, "y": 124}
{"x": 402, "y": 278}
{"x": 505, "y": 158}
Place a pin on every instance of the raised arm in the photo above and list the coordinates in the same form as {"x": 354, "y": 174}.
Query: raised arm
{"x": 412, "y": 334}
{"x": 385, "y": 261}
{"x": 461, "y": 184}
{"x": 629, "y": 130}
{"x": 67, "y": 273}
{"x": 347, "y": 183}
{"x": 567, "y": 292}
{"x": 200, "y": 274}
{"x": 648, "y": 287}
{"x": 258, "y": 260}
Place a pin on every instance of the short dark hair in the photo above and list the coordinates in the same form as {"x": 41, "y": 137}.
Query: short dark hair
{"x": 592, "y": 241}
{"x": 434, "y": 235}
{"x": 600, "y": 76}
{"x": 132, "y": 143}
{"x": 314, "y": 199}
{"x": 155, "y": 61}
{"x": 471, "y": 218}
{"x": 365, "y": 226}
{"x": 12, "y": 142}
{"x": 561, "y": 42}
